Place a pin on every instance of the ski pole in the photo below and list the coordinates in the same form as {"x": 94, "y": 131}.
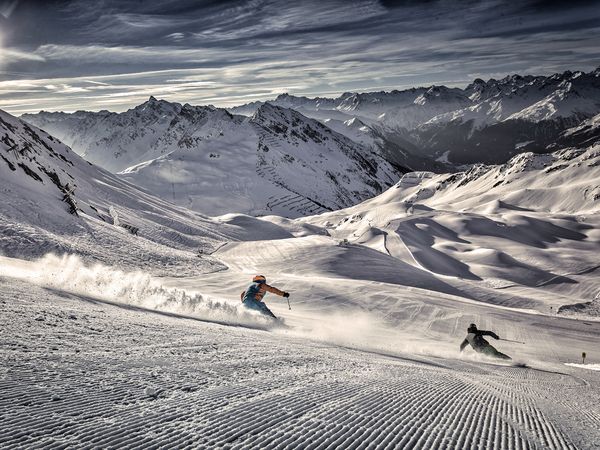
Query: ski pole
{"x": 289, "y": 306}
{"x": 510, "y": 340}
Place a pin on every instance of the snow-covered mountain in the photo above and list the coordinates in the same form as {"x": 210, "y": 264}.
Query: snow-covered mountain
{"x": 116, "y": 141}
{"x": 277, "y": 161}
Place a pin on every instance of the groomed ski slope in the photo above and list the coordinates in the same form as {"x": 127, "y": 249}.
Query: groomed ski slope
{"x": 101, "y": 370}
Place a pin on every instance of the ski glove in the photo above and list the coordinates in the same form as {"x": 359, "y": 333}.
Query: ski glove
{"x": 286, "y": 294}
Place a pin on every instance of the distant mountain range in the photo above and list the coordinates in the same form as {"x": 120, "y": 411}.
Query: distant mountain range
{"x": 486, "y": 122}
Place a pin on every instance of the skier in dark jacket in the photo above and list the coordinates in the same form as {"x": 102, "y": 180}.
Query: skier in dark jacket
{"x": 480, "y": 345}
{"x": 252, "y": 297}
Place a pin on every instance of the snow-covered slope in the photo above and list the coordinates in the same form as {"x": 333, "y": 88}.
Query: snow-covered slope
{"x": 83, "y": 372}
{"x": 354, "y": 129}
{"x": 53, "y": 200}
{"x": 277, "y": 161}
{"x": 528, "y": 227}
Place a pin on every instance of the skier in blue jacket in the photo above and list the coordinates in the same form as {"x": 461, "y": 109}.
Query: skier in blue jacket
{"x": 252, "y": 297}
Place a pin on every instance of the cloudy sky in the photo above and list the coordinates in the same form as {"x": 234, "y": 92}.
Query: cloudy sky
{"x": 114, "y": 54}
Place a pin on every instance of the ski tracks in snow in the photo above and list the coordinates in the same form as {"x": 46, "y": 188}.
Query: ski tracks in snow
{"x": 76, "y": 372}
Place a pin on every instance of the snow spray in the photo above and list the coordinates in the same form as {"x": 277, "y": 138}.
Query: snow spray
{"x": 69, "y": 273}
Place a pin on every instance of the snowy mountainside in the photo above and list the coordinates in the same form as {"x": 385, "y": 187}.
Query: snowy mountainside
{"x": 53, "y": 200}
{"x": 276, "y": 162}
{"x": 585, "y": 134}
{"x": 524, "y": 233}
{"x": 198, "y": 156}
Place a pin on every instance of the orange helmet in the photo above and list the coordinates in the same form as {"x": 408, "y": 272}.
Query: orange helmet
{"x": 259, "y": 279}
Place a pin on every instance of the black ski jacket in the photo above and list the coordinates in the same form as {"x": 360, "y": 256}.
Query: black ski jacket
{"x": 476, "y": 340}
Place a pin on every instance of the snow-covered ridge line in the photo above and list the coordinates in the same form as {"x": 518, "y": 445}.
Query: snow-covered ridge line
{"x": 530, "y": 98}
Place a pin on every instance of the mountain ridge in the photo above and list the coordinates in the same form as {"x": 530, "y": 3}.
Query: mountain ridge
{"x": 486, "y": 122}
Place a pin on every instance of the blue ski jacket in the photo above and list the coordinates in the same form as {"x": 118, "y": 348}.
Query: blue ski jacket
{"x": 257, "y": 290}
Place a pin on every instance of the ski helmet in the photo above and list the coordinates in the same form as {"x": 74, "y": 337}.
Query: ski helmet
{"x": 259, "y": 279}
{"x": 472, "y": 327}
